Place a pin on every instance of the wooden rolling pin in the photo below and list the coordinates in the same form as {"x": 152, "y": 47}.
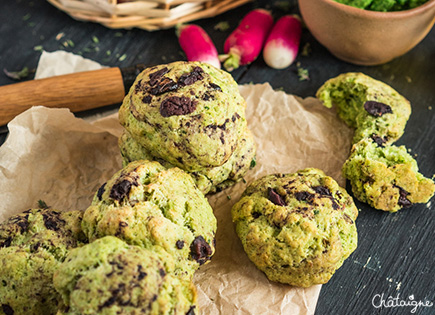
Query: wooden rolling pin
{"x": 78, "y": 91}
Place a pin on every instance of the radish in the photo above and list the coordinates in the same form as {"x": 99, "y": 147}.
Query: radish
{"x": 197, "y": 45}
{"x": 282, "y": 44}
{"x": 244, "y": 44}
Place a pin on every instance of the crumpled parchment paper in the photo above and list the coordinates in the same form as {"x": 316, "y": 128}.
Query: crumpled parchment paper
{"x": 50, "y": 155}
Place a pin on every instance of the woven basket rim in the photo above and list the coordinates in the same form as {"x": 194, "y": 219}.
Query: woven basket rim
{"x": 145, "y": 14}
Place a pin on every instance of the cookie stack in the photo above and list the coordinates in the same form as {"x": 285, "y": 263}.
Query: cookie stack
{"x": 192, "y": 116}
{"x": 381, "y": 174}
{"x": 147, "y": 205}
{"x": 134, "y": 250}
{"x": 150, "y": 227}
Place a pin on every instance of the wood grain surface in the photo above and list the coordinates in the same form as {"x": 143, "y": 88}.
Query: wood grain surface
{"x": 77, "y": 91}
{"x": 396, "y": 252}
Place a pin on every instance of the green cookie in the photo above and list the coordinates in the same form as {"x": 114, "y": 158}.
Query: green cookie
{"x": 110, "y": 277}
{"x": 208, "y": 180}
{"x": 296, "y": 228}
{"x": 146, "y": 204}
{"x": 375, "y": 109}
{"x": 32, "y": 245}
{"x": 386, "y": 178}
{"x": 189, "y": 114}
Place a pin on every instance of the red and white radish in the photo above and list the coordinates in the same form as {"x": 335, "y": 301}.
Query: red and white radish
{"x": 197, "y": 45}
{"x": 282, "y": 44}
{"x": 244, "y": 44}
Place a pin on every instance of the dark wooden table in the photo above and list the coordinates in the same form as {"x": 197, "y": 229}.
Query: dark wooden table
{"x": 396, "y": 252}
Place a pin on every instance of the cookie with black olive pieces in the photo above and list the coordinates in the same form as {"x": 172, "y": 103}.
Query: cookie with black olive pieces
{"x": 146, "y": 204}
{"x": 297, "y": 228}
{"x": 109, "y": 276}
{"x": 208, "y": 180}
{"x": 375, "y": 109}
{"x": 32, "y": 246}
{"x": 386, "y": 177}
{"x": 189, "y": 114}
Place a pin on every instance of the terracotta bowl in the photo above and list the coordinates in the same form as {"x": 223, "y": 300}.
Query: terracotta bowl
{"x": 366, "y": 37}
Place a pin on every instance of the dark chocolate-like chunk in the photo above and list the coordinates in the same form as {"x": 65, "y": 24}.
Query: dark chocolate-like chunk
{"x": 123, "y": 224}
{"x": 215, "y": 87}
{"x": 192, "y": 77}
{"x": 6, "y": 243}
{"x": 377, "y": 109}
{"x": 52, "y": 221}
{"x": 200, "y": 250}
{"x": 101, "y": 191}
{"x": 120, "y": 190}
{"x": 155, "y": 76}
{"x": 403, "y": 200}
{"x": 162, "y": 272}
{"x": 147, "y": 99}
{"x": 109, "y": 302}
{"x": 256, "y": 215}
{"x": 325, "y": 192}
{"x": 138, "y": 87}
{"x": 176, "y": 105}
{"x": 276, "y": 199}
{"x": 222, "y": 138}
{"x": 304, "y": 196}
{"x": 22, "y": 222}
{"x": 206, "y": 97}
{"x": 34, "y": 247}
{"x": 379, "y": 140}
{"x": 7, "y": 309}
{"x": 335, "y": 205}
{"x": 322, "y": 190}
{"x": 142, "y": 274}
{"x": 347, "y": 218}
{"x": 163, "y": 86}
{"x": 179, "y": 244}
{"x": 191, "y": 310}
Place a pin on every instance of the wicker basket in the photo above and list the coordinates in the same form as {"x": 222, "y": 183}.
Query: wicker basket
{"x": 146, "y": 14}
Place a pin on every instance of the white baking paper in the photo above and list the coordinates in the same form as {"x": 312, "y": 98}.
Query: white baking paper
{"x": 50, "y": 155}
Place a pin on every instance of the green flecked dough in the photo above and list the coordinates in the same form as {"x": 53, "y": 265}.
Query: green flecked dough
{"x": 350, "y": 91}
{"x": 110, "y": 277}
{"x": 384, "y": 5}
{"x": 203, "y": 138}
{"x": 32, "y": 246}
{"x": 386, "y": 178}
{"x": 208, "y": 180}
{"x": 296, "y": 228}
{"x": 146, "y": 204}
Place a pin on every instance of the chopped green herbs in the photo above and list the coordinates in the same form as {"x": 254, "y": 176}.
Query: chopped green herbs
{"x": 42, "y": 204}
{"x": 303, "y": 73}
{"x": 283, "y": 5}
{"x": 18, "y": 75}
{"x": 253, "y": 162}
{"x": 306, "y": 50}
{"x": 222, "y": 26}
